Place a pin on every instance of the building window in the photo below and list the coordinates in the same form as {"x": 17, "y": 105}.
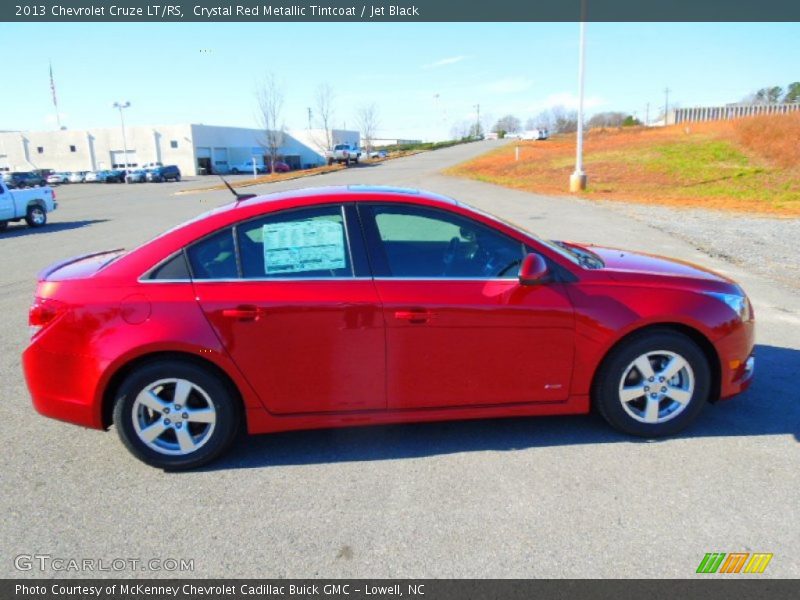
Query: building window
{"x": 40, "y": 149}
{"x": 72, "y": 148}
{"x": 173, "y": 143}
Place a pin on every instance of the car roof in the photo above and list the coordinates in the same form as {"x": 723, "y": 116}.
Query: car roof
{"x": 344, "y": 193}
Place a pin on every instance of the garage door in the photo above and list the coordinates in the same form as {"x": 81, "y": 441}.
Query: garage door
{"x": 118, "y": 159}
{"x": 203, "y": 152}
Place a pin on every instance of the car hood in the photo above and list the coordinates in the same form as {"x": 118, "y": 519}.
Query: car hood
{"x": 621, "y": 263}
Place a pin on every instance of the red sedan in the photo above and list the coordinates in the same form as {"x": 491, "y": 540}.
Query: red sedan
{"x": 357, "y": 305}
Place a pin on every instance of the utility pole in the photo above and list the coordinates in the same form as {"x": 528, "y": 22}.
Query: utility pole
{"x": 666, "y": 105}
{"x": 647, "y": 114}
{"x": 478, "y": 120}
{"x": 577, "y": 181}
{"x": 309, "y": 117}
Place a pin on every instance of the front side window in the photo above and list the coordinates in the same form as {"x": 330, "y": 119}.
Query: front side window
{"x": 305, "y": 243}
{"x": 414, "y": 241}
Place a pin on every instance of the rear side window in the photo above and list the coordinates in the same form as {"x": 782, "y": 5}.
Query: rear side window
{"x": 214, "y": 257}
{"x": 305, "y": 243}
{"x": 174, "y": 268}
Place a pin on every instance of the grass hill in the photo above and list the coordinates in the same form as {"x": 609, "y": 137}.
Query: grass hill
{"x": 748, "y": 165}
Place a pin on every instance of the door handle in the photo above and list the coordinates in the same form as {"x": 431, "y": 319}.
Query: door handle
{"x": 413, "y": 316}
{"x": 244, "y": 313}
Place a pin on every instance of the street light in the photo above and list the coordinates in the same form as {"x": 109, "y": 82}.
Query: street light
{"x": 120, "y": 106}
{"x": 577, "y": 181}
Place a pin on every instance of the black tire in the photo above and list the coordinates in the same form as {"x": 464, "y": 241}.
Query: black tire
{"x": 606, "y": 389}
{"x": 177, "y": 178}
{"x": 234, "y": 171}
{"x": 3, "y": 225}
{"x": 217, "y": 393}
{"x": 36, "y": 216}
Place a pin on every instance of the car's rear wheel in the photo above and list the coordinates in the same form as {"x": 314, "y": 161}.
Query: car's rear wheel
{"x": 654, "y": 384}
{"x": 175, "y": 415}
{"x": 36, "y": 216}
{"x": 177, "y": 178}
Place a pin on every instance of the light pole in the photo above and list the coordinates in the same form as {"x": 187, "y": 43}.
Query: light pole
{"x": 120, "y": 106}
{"x": 577, "y": 181}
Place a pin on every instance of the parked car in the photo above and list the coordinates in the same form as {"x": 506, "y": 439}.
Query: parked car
{"x": 343, "y": 153}
{"x": 160, "y": 174}
{"x": 96, "y": 176}
{"x": 115, "y": 176}
{"x": 378, "y": 154}
{"x": 33, "y": 205}
{"x": 136, "y": 176}
{"x": 247, "y": 167}
{"x": 77, "y": 176}
{"x": 534, "y": 134}
{"x": 152, "y": 165}
{"x": 355, "y": 305}
{"x": 279, "y": 167}
{"x": 22, "y": 179}
{"x": 58, "y": 178}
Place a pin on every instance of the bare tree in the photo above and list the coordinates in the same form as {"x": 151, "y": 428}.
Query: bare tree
{"x": 507, "y": 124}
{"x": 367, "y": 121}
{"x": 323, "y": 99}
{"x": 460, "y": 130}
{"x": 269, "y": 97}
{"x": 607, "y": 119}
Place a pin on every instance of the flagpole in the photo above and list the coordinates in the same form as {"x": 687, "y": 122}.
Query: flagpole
{"x": 55, "y": 100}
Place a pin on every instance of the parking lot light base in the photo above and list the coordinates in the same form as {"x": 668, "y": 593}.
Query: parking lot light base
{"x": 577, "y": 181}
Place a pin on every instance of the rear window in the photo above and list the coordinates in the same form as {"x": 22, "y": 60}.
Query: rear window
{"x": 214, "y": 257}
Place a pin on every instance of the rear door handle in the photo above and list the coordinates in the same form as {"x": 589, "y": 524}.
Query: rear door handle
{"x": 244, "y": 313}
{"x": 413, "y": 316}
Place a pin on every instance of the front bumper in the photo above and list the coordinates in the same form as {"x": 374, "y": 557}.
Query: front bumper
{"x": 737, "y": 360}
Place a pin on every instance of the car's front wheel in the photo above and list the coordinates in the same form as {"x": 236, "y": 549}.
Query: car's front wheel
{"x": 654, "y": 384}
{"x": 175, "y": 415}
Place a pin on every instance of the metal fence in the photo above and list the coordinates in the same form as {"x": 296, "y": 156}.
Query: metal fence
{"x": 729, "y": 111}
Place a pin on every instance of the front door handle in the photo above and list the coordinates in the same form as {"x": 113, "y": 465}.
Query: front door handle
{"x": 413, "y": 316}
{"x": 244, "y": 313}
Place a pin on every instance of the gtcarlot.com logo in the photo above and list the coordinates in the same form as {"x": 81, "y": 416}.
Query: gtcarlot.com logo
{"x": 734, "y": 562}
{"x": 48, "y": 562}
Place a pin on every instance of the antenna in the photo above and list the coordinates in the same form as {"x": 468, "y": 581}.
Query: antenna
{"x": 239, "y": 197}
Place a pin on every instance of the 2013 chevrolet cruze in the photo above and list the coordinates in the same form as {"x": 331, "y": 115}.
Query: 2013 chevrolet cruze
{"x": 348, "y": 306}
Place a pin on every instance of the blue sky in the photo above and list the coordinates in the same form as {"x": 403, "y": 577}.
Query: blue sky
{"x": 207, "y": 73}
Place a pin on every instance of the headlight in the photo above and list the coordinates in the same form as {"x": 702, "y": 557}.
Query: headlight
{"x": 738, "y": 304}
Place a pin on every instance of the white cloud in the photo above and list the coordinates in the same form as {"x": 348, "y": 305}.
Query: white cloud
{"x": 509, "y": 85}
{"x": 450, "y": 60}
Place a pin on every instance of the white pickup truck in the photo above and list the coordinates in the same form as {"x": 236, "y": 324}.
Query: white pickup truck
{"x": 343, "y": 153}
{"x": 30, "y": 204}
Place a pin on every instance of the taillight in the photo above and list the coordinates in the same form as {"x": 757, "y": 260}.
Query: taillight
{"x": 54, "y": 194}
{"x": 43, "y": 312}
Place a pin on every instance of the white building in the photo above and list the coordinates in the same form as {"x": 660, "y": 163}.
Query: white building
{"x": 196, "y": 149}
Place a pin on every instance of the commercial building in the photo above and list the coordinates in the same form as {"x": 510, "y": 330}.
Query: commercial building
{"x": 196, "y": 149}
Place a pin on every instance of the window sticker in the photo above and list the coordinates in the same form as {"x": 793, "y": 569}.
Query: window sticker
{"x": 300, "y": 246}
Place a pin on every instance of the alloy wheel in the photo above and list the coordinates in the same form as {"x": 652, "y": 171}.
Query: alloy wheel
{"x": 656, "y": 387}
{"x": 174, "y": 416}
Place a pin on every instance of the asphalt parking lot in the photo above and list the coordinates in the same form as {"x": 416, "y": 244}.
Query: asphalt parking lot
{"x": 547, "y": 497}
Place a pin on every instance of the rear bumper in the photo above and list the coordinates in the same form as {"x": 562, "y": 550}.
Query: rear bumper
{"x": 63, "y": 386}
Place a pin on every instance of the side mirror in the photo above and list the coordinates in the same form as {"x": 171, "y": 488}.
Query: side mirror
{"x": 533, "y": 270}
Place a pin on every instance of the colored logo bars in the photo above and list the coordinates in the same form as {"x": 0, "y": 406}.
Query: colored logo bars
{"x": 736, "y": 562}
